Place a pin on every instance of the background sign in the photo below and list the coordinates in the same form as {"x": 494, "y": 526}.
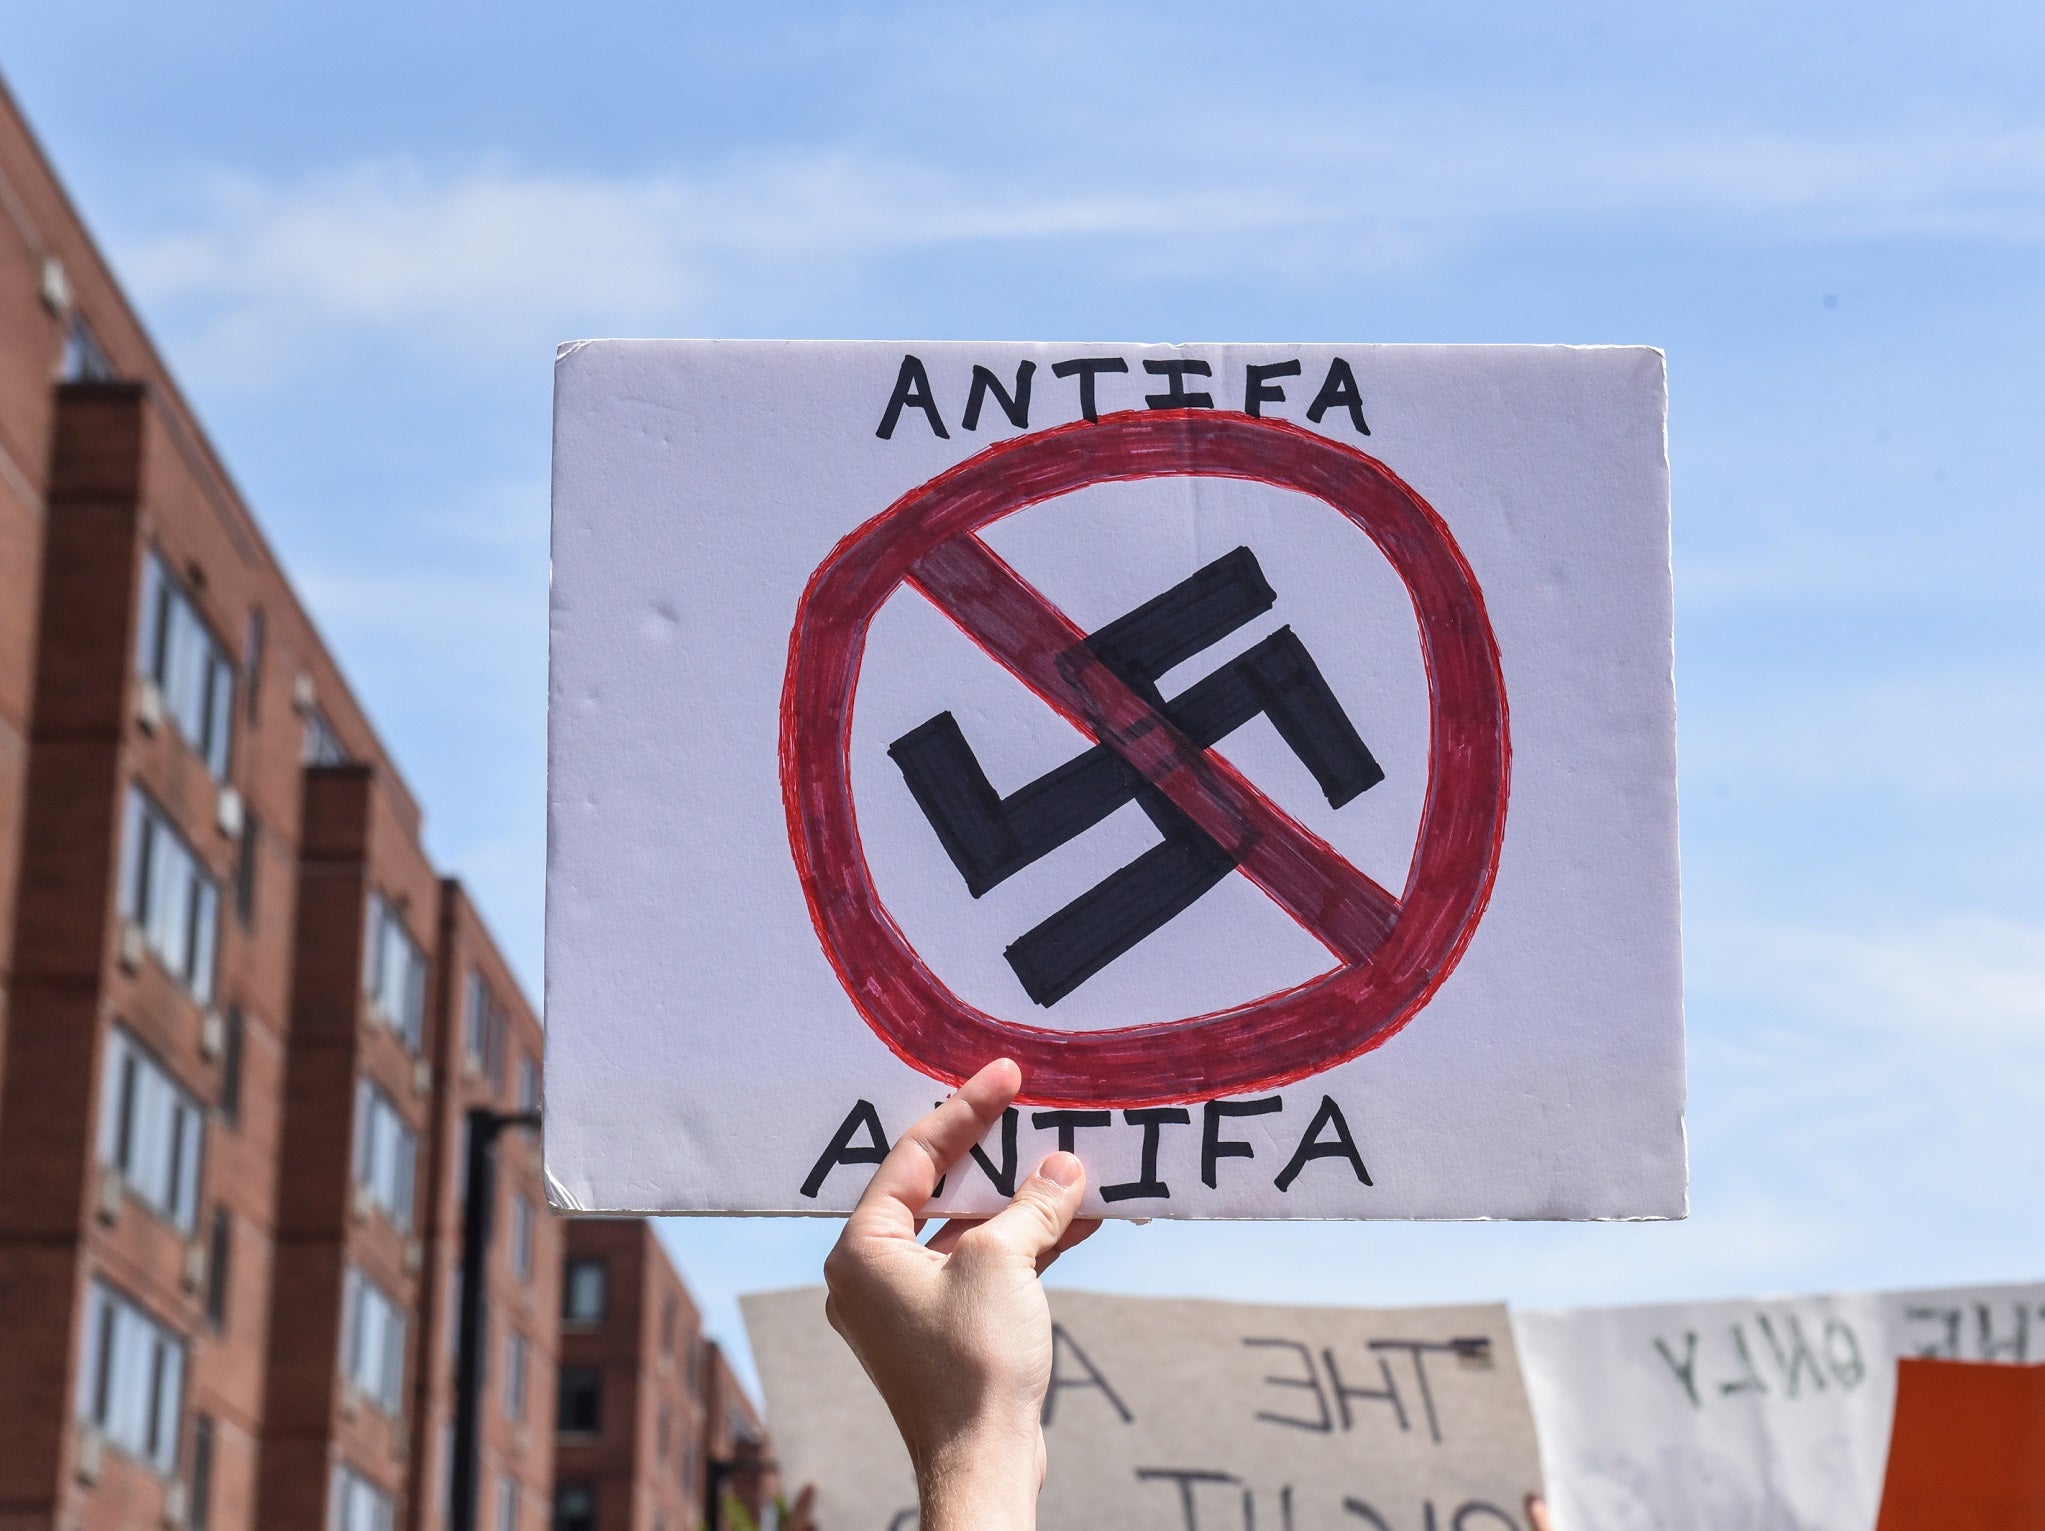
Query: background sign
{"x": 1171, "y": 1415}
{"x": 1271, "y": 748}
{"x": 1767, "y": 1413}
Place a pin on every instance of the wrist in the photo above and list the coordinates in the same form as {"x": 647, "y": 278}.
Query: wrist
{"x": 983, "y": 1479}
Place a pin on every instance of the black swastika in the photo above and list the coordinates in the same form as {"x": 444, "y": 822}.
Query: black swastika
{"x": 990, "y": 838}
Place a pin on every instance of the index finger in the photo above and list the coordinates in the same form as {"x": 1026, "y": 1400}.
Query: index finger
{"x": 895, "y": 1196}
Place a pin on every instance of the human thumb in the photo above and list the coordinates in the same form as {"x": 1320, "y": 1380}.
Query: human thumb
{"x": 1041, "y": 1210}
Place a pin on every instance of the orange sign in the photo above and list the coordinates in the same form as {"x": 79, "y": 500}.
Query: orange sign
{"x": 1967, "y": 1451}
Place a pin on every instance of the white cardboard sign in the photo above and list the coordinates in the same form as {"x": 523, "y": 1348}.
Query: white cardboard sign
{"x": 1770, "y": 1413}
{"x": 1174, "y": 1415}
{"x": 1271, "y": 748}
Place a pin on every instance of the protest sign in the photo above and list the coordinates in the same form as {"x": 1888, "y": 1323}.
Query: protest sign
{"x": 1768, "y": 1413}
{"x": 1197, "y": 1416}
{"x": 1271, "y": 748}
{"x": 1967, "y": 1450}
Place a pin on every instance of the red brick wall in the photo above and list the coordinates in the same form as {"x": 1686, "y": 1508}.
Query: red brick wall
{"x": 645, "y": 1372}
{"x": 120, "y": 483}
{"x": 524, "y": 1449}
{"x": 354, "y": 837}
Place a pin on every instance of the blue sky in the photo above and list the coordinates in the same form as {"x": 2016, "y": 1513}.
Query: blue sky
{"x": 358, "y": 232}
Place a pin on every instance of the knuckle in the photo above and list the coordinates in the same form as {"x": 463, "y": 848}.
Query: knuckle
{"x": 838, "y": 1268}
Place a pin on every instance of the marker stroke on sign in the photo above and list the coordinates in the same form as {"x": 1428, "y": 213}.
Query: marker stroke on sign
{"x": 1392, "y": 953}
{"x": 990, "y": 838}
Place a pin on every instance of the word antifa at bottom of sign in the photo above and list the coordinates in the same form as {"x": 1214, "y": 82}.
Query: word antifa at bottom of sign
{"x": 989, "y": 837}
{"x": 861, "y": 1140}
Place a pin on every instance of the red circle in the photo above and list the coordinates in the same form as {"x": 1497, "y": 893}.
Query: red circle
{"x": 1266, "y": 1042}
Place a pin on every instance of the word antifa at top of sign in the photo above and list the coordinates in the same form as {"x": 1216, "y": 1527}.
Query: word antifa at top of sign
{"x": 1261, "y": 386}
{"x": 990, "y": 837}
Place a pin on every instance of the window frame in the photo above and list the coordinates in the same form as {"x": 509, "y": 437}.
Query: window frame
{"x": 114, "y": 1322}
{"x": 177, "y": 650}
{"x": 569, "y": 1272}
{"x": 573, "y": 1382}
{"x": 233, "y": 1065}
{"x": 342, "y": 1500}
{"x": 147, "y": 832}
{"x": 587, "y": 1515}
{"x": 399, "y": 1200}
{"x": 519, "y": 1247}
{"x": 379, "y": 1378}
{"x": 321, "y": 745}
{"x": 386, "y": 936}
{"x": 517, "y": 1364}
{"x": 219, "y": 1268}
{"x": 169, "y": 1183}
{"x": 199, "y": 1493}
{"x": 247, "y": 854}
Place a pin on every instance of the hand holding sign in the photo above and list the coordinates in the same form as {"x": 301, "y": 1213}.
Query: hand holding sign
{"x": 956, "y": 1333}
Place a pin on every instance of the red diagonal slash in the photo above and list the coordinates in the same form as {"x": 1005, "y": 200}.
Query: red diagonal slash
{"x": 1392, "y": 953}
{"x": 1017, "y": 625}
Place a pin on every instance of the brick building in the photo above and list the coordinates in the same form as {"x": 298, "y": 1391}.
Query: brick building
{"x": 175, "y": 690}
{"x": 744, "y": 1480}
{"x": 488, "y": 1056}
{"x": 242, "y": 1017}
{"x": 656, "y": 1434}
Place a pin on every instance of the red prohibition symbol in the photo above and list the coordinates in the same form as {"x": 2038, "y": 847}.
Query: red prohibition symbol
{"x": 1391, "y": 953}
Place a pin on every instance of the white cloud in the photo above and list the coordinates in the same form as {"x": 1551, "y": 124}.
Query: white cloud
{"x": 1969, "y": 982}
{"x": 389, "y": 246}
{"x": 1969, "y": 732}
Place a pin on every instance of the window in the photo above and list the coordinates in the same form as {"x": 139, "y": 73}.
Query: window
{"x": 515, "y": 1353}
{"x": 394, "y": 971}
{"x": 360, "y": 1505}
{"x": 507, "y": 1502}
{"x": 199, "y": 1507}
{"x": 252, "y": 661}
{"x": 461, "y": 1163}
{"x": 219, "y": 1256}
{"x": 231, "y": 1049}
{"x": 133, "y": 1377}
{"x": 521, "y": 1238}
{"x": 580, "y": 1403}
{"x": 322, "y": 745}
{"x": 447, "y": 1471}
{"x": 150, "y": 1131}
{"x": 84, "y": 360}
{"x": 528, "y": 1084}
{"x": 373, "y": 1342}
{"x": 575, "y": 1507}
{"x": 386, "y": 1155}
{"x": 663, "y": 1435}
{"x": 166, "y": 891}
{"x": 482, "y": 1028}
{"x": 582, "y": 1292}
{"x": 245, "y": 857}
{"x": 180, "y": 654}
{"x": 667, "y": 1325}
